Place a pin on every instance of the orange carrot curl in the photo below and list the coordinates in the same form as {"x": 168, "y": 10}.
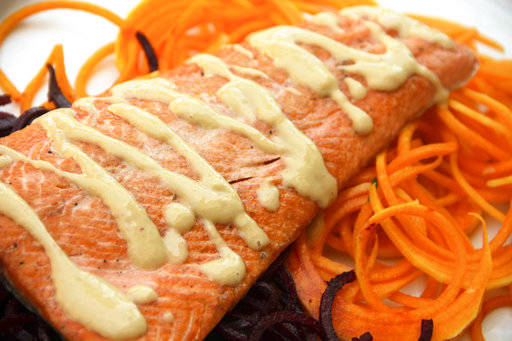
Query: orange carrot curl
{"x": 407, "y": 216}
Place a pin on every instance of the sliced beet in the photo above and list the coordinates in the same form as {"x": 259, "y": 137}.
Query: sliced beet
{"x": 270, "y": 311}
{"x": 149, "y": 52}
{"x": 292, "y": 317}
{"x": 292, "y": 301}
{"x": 333, "y": 286}
{"x": 6, "y": 123}
{"x": 28, "y": 116}
{"x": 364, "y": 337}
{"x": 5, "y": 99}
{"x": 230, "y": 334}
{"x": 427, "y": 329}
{"x": 55, "y": 94}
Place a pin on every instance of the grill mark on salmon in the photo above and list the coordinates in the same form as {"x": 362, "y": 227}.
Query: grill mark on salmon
{"x": 88, "y": 234}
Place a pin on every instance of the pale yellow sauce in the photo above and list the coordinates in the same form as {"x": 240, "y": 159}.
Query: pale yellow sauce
{"x": 227, "y": 270}
{"x": 168, "y": 317}
{"x": 248, "y": 71}
{"x": 404, "y": 25}
{"x": 179, "y": 217}
{"x": 305, "y": 68}
{"x": 305, "y": 169}
{"x": 293, "y": 91}
{"x": 211, "y": 198}
{"x": 176, "y": 246}
{"x": 141, "y": 294}
{"x": 268, "y": 195}
{"x": 355, "y": 88}
{"x": 243, "y": 50}
{"x": 4, "y": 161}
{"x": 384, "y": 72}
{"x": 192, "y": 110}
{"x": 103, "y": 308}
{"x": 85, "y": 298}
{"x": 328, "y": 19}
{"x": 145, "y": 246}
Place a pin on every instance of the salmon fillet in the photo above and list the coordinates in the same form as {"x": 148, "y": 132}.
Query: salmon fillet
{"x": 85, "y": 229}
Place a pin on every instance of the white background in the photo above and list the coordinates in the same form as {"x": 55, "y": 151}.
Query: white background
{"x": 26, "y": 49}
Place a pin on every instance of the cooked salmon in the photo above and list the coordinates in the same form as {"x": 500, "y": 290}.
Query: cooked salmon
{"x": 189, "y": 303}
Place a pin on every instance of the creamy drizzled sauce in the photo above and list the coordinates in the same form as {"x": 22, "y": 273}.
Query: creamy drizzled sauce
{"x": 141, "y": 294}
{"x": 84, "y": 297}
{"x": 404, "y": 25}
{"x": 248, "y": 71}
{"x": 145, "y": 246}
{"x": 305, "y": 68}
{"x": 4, "y": 161}
{"x": 328, "y": 19}
{"x": 355, "y": 88}
{"x": 168, "y": 317}
{"x": 103, "y": 308}
{"x": 192, "y": 110}
{"x": 211, "y": 198}
{"x": 243, "y": 50}
{"x": 305, "y": 169}
{"x": 268, "y": 195}
{"x": 293, "y": 91}
{"x": 227, "y": 270}
{"x": 384, "y": 72}
{"x": 179, "y": 217}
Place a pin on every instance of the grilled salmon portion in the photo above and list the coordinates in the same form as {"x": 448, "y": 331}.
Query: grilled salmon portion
{"x": 86, "y": 230}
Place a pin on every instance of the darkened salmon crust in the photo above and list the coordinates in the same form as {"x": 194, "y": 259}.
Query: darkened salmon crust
{"x": 87, "y": 232}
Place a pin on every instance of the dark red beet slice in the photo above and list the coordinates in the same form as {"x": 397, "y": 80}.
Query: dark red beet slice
{"x": 292, "y": 301}
{"x": 231, "y": 334}
{"x": 282, "y": 317}
{"x": 5, "y": 99}
{"x": 277, "y": 264}
{"x": 55, "y": 94}
{"x": 18, "y": 323}
{"x": 333, "y": 286}
{"x": 364, "y": 337}
{"x": 6, "y": 123}
{"x": 427, "y": 329}
{"x": 148, "y": 51}
{"x": 27, "y": 117}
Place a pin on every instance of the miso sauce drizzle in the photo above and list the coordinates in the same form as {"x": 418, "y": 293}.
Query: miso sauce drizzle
{"x": 305, "y": 169}
{"x": 192, "y": 110}
{"x": 84, "y": 297}
{"x": 103, "y": 308}
{"x": 384, "y": 72}
{"x": 355, "y": 88}
{"x": 211, "y": 198}
{"x": 222, "y": 204}
{"x": 404, "y": 25}
{"x": 328, "y": 19}
{"x": 145, "y": 246}
{"x": 141, "y": 294}
{"x": 268, "y": 195}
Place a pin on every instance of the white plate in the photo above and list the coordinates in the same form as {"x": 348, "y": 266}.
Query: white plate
{"x": 24, "y": 51}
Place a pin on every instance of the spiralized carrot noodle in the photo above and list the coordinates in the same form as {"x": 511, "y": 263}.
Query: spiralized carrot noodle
{"x": 407, "y": 216}
{"x": 25, "y": 98}
{"x": 179, "y": 29}
{"x": 431, "y": 188}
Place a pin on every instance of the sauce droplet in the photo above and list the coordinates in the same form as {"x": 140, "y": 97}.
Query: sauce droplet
{"x": 141, "y": 294}
{"x": 268, "y": 195}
